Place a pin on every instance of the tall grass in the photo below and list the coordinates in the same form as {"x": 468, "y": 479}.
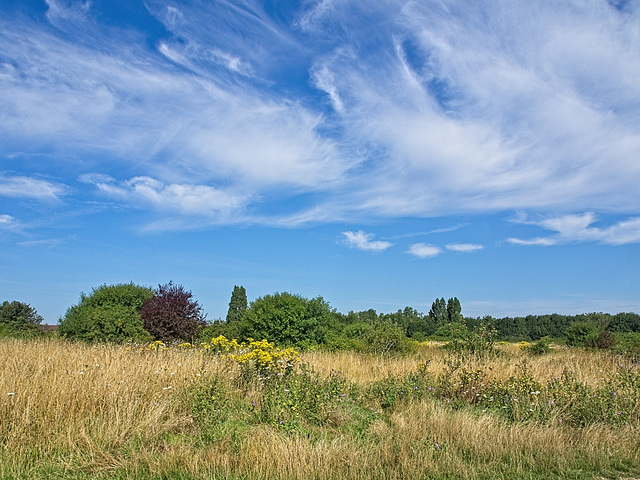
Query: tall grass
{"x": 91, "y": 411}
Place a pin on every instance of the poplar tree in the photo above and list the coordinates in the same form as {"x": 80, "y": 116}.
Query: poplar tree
{"x": 438, "y": 312}
{"x": 454, "y": 310}
{"x": 237, "y": 305}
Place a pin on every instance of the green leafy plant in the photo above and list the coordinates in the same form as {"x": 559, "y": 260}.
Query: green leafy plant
{"x": 19, "y": 319}
{"x": 111, "y": 313}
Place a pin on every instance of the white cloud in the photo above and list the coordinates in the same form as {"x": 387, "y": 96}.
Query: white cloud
{"x": 364, "y": 241}
{"x": 424, "y": 250}
{"x": 578, "y": 228}
{"x": 6, "y": 220}
{"x": 468, "y": 114}
{"x": 540, "y": 241}
{"x": 201, "y": 200}
{"x": 464, "y": 247}
{"x": 27, "y": 187}
{"x": 439, "y": 109}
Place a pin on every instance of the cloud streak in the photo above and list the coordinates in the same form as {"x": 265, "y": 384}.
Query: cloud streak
{"x": 579, "y": 228}
{"x": 26, "y": 187}
{"x": 464, "y": 247}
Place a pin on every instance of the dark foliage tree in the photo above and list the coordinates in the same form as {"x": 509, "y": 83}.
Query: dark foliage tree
{"x": 19, "y": 319}
{"x": 237, "y": 305}
{"x": 605, "y": 340}
{"x": 111, "y": 313}
{"x": 172, "y": 315}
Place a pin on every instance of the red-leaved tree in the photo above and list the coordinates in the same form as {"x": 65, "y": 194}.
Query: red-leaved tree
{"x": 171, "y": 314}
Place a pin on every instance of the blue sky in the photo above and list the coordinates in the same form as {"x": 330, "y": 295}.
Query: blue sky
{"x": 379, "y": 154}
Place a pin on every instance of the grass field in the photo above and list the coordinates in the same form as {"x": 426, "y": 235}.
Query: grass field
{"x": 76, "y": 411}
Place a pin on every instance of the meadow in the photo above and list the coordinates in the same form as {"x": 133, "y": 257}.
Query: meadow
{"x": 221, "y": 411}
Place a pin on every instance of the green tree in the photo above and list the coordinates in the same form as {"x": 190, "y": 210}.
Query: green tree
{"x": 237, "y": 305}
{"x": 19, "y": 319}
{"x": 288, "y": 320}
{"x": 111, "y": 313}
{"x": 454, "y": 310}
{"x": 439, "y": 312}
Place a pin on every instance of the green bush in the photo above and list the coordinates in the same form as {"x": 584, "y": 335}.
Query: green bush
{"x": 111, "y": 313}
{"x": 19, "y": 319}
{"x": 386, "y": 338}
{"x": 288, "y": 320}
{"x": 451, "y": 331}
{"x": 582, "y": 334}
{"x": 474, "y": 343}
{"x": 540, "y": 347}
{"x": 628, "y": 344}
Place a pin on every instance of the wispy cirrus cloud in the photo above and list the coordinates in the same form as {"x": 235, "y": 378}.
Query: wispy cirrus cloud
{"x": 579, "y": 228}
{"x": 439, "y": 109}
{"x": 28, "y": 187}
{"x": 475, "y": 116}
{"x": 364, "y": 241}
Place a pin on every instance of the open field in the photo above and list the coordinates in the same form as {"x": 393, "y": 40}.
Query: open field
{"x": 79, "y": 411}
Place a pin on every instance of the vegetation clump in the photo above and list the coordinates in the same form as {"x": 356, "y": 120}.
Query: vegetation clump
{"x": 172, "y": 314}
{"x": 110, "y": 313}
{"x": 18, "y": 319}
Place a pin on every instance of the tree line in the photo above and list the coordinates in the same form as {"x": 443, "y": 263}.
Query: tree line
{"x": 169, "y": 313}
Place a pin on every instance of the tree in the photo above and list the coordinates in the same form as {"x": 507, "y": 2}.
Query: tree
{"x": 171, "y": 314}
{"x": 288, "y": 320}
{"x": 111, "y": 313}
{"x": 237, "y": 305}
{"x": 19, "y": 319}
{"x": 439, "y": 312}
{"x": 454, "y": 310}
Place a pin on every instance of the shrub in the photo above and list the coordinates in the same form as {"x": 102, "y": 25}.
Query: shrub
{"x": 386, "y": 338}
{"x": 171, "y": 314}
{"x": 582, "y": 334}
{"x": 451, "y": 331}
{"x": 475, "y": 343}
{"x": 19, "y": 319}
{"x": 605, "y": 340}
{"x": 111, "y": 313}
{"x": 288, "y": 320}
{"x": 540, "y": 347}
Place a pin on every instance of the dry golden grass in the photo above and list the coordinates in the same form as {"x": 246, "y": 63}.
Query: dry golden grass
{"x": 89, "y": 398}
{"x": 590, "y": 368}
{"x": 109, "y": 412}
